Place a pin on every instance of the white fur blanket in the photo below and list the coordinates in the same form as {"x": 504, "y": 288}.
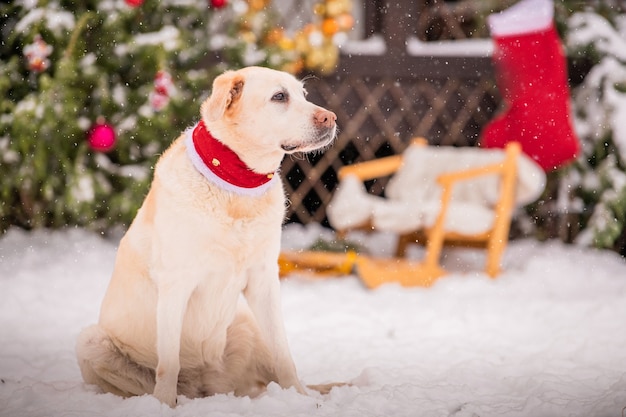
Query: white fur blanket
{"x": 413, "y": 196}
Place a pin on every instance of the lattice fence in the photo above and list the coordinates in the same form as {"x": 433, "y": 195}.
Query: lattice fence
{"x": 383, "y": 101}
{"x": 378, "y": 116}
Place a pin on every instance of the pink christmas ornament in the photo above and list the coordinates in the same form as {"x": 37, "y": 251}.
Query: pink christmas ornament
{"x": 218, "y": 4}
{"x": 163, "y": 88}
{"x": 134, "y": 3}
{"x": 101, "y": 137}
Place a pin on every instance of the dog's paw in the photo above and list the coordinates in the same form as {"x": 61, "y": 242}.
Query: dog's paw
{"x": 165, "y": 393}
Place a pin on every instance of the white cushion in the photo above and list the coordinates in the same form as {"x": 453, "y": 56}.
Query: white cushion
{"x": 413, "y": 196}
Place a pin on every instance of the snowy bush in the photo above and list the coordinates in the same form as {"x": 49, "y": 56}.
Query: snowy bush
{"x": 597, "y": 181}
{"x": 103, "y": 57}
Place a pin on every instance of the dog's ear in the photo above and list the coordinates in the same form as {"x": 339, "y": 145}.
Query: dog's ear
{"x": 227, "y": 89}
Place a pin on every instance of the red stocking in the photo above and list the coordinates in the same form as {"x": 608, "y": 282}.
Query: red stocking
{"x": 532, "y": 78}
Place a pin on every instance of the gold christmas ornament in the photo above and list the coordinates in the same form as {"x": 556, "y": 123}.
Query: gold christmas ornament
{"x": 274, "y": 36}
{"x": 329, "y": 57}
{"x": 330, "y": 26}
{"x": 319, "y": 9}
{"x": 257, "y": 5}
{"x": 336, "y": 7}
{"x": 345, "y": 21}
{"x": 301, "y": 42}
{"x": 248, "y": 36}
{"x": 286, "y": 44}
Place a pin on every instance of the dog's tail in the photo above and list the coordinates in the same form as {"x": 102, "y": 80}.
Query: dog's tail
{"x": 326, "y": 388}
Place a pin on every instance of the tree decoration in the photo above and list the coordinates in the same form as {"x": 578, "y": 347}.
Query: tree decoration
{"x": 218, "y": 4}
{"x": 37, "y": 54}
{"x": 163, "y": 89}
{"x": 101, "y": 137}
{"x": 318, "y": 43}
{"x": 134, "y": 3}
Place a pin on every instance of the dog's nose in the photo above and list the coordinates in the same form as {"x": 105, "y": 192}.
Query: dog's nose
{"x": 324, "y": 118}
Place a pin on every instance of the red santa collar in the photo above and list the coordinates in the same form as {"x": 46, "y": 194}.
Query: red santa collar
{"x": 220, "y": 165}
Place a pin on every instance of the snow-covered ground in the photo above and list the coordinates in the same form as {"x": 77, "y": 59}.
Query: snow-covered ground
{"x": 547, "y": 338}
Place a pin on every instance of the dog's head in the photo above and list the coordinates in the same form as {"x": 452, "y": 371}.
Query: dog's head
{"x": 262, "y": 114}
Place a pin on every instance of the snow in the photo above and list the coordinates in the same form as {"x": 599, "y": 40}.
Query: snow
{"x": 138, "y": 172}
{"x": 375, "y": 45}
{"x": 55, "y": 20}
{"x": 7, "y": 155}
{"x": 168, "y": 36}
{"x": 82, "y": 189}
{"x": 544, "y": 339}
{"x": 456, "y": 48}
{"x": 600, "y": 85}
{"x": 587, "y": 28}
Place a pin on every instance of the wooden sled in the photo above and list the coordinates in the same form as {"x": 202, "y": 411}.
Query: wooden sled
{"x": 372, "y": 271}
{"x": 317, "y": 263}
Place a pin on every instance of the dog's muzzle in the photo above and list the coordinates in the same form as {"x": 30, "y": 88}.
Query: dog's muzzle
{"x": 324, "y": 138}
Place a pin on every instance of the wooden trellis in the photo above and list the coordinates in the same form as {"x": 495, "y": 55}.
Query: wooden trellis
{"x": 382, "y": 101}
{"x": 378, "y": 116}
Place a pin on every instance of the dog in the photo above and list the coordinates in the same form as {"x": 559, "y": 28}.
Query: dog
{"x": 193, "y": 305}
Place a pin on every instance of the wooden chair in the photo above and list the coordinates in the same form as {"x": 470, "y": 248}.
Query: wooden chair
{"x": 375, "y": 271}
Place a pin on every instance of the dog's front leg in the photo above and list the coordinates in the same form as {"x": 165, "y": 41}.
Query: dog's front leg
{"x": 171, "y": 307}
{"x": 263, "y": 296}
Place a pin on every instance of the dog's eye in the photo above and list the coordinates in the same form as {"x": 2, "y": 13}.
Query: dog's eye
{"x": 280, "y": 96}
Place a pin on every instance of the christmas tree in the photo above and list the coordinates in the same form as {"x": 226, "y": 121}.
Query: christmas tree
{"x": 596, "y": 184}
{"x": 93, "y": 91}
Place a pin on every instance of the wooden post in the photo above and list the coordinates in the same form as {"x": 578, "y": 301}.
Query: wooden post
{"x": 397, "y": 25}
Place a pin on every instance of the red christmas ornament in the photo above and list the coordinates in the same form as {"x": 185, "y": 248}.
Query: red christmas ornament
{"x": 101, "y": 137}
{"x": 134, "y": 3}
{"x": 163, "y": 88}
{"x": 163, "y": 83}
{"x": 218, "y": 4}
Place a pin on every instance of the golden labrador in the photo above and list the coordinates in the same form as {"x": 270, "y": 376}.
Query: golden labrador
{"x": 173, "y": 320}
